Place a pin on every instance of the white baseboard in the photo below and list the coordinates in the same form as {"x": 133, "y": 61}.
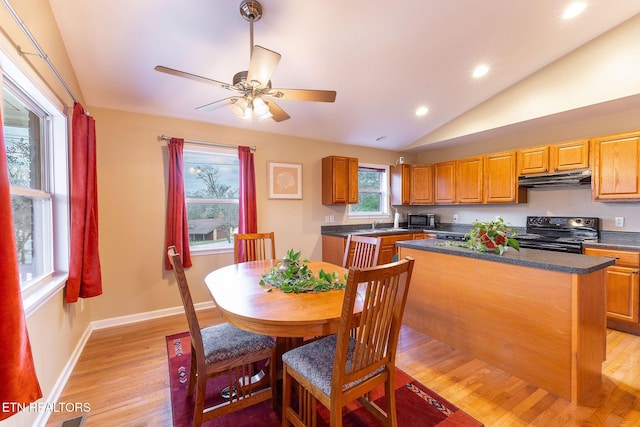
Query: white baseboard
{"x": 56, "y": 391}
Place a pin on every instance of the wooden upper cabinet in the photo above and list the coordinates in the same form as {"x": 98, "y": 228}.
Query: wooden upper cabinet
{"x": 565, "y": 156}
{"x": 500, "y": 179}
{"x": 421, "y": 184}
{"x": 616, "y": 167}
{"x": 444, "y": 181}
{"x": 469, "y": 180}
{"x": 400, "y": 182}
{"x": 339, "y": 180}
{"x": 533, "y": 160}
{"x": 570, "y": 155}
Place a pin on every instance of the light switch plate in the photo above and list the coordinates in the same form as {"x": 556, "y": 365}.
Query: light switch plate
{"x": 619, "y": 221}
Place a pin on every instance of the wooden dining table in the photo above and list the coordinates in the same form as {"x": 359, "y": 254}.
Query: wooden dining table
{"x": 244, "y": 303}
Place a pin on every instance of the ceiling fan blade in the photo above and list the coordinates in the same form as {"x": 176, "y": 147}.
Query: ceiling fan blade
{"x": 217, "y": 104}
{"x": 263, "y": 64}
{"x": 278, "y": 113}
{"x": 303, "y": 95}
{"x": 195, "y": 77}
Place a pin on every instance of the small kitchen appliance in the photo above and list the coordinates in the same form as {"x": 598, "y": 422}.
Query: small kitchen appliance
{"x": 421, "y": 221}
{"x": 560, "y": 234}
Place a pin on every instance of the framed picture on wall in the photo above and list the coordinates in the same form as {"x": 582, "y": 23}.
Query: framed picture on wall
{"x": 285, "y": 180}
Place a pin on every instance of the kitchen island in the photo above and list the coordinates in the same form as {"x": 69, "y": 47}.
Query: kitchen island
{"x": 535, "y": 314}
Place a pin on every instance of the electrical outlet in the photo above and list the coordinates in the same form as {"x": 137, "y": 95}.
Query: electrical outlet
{"x": 619, "y": 221}
{"x": 455, "y": 217}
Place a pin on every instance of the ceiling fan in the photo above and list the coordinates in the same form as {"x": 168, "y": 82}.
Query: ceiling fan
{"x": 254, "y": 94}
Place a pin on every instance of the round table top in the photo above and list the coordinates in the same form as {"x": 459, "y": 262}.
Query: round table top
{"x": 245, "y": 304}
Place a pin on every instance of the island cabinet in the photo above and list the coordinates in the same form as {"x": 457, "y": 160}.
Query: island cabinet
{"x": 339, "y": 180}
{"x": 444, "y": 182}
{"x": 565, "y": 156}
{"x": 538, "y": 317}
{"x": 469, "y": 180}
{"x": 623, "y": 291}
{"x": 500, "y": 179}
{"x": 616, "y": 167}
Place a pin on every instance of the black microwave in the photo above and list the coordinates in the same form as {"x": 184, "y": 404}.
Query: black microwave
{"x": 421, "y": 220}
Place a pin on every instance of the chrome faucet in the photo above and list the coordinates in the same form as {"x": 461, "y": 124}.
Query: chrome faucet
{"x": 374, "y": 223}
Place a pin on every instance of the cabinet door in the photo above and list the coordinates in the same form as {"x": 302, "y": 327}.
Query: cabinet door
{"x": 533, "y": 160}
{"x": 622, "y": 282}
{"x": 469, "y": 181}
{"x": 569, "y": 156}
{"x": 622, "y": 293}
{"x": 421, "y": 184}
{"x": 333, "y": 249}
{"x": 353, "y": 180}
{"x": 400, "y": 182}
{"x": 500, "y": 179}
{"x": 616, "y": 167}
{"x": 444, "y": 176}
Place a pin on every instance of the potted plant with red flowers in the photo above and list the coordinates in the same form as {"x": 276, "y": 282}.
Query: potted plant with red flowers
{"x": 491, "y": 236}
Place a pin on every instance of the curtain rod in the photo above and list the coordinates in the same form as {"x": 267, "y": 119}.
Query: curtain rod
{"x": 41, "y": 53}
{"x": 215, "y": 144}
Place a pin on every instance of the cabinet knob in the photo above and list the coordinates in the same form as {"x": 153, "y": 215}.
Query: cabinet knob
{"x": 545, "y": 170}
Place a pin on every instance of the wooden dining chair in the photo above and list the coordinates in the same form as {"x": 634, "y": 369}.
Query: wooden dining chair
{"x": 254, "y": 246}
{"x": 223, "y": 350}
{"x": 361, "y": 251}
{"x": 338, "y": 369}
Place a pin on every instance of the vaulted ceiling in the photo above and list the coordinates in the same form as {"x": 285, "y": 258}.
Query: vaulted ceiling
{"x": 384, "y": 59}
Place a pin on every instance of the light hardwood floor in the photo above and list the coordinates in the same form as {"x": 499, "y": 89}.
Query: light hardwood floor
{"x": 122, "y": 373}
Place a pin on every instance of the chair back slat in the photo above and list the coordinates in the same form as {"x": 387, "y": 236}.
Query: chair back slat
{"x": 383, "y": 292}
{"x": 187, "y": 302}
{"x": 361, "y": 251}
{"x": 254, "y": 246}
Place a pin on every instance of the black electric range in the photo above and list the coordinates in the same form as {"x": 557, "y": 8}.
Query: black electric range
{"x": 559, "y": 233}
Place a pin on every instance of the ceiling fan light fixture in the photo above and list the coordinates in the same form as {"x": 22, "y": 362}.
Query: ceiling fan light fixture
{"x": 421, "y": 111}
{"x": 260, "y": 108}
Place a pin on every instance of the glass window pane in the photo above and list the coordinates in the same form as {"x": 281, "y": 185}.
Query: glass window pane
{"x": 211, "y": 187}
{"x": 22, "y": 133}
{"x": 31, "y": 223}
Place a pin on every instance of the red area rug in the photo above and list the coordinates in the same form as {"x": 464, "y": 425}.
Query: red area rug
{"x": 416, "y": 404}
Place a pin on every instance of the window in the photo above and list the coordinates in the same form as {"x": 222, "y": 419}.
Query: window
{"x": 35, "y": 135}
{"x": 211, "y": 188}
{"x": 373, "y": 191}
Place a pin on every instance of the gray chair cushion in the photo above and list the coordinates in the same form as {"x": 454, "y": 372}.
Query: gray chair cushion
{"x": 223, "y": 342}
{"x": 314, "y": 361}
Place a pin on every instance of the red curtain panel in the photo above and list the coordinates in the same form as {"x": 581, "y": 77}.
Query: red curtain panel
{"x": 248, "y": 217}
{"x": 18, "y": 381}
{"x": 85, "y": 277}
{"x": 177, "y": 233}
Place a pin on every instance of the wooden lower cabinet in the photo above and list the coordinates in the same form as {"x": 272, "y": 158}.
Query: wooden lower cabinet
{"x": 623, "y": 288}
{"x": 333, "y": 246}
{"x": 388, "y": 248}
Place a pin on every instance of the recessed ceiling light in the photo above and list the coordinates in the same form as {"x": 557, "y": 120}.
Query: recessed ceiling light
{"x": 421, "y": 111}
{"x": 574, "y": 9}
{"x": 480, "y": 71}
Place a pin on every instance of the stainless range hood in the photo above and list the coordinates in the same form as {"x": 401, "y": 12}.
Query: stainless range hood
{"x": 573, "y": 178}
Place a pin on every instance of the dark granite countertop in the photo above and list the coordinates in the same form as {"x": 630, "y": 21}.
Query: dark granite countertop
{"x": 546, "y": 260}
{"x": 616, "y": 240}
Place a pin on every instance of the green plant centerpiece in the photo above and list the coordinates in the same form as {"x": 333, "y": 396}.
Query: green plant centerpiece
{"x": 490, "y": 236}
{"x": 293, "y": 275}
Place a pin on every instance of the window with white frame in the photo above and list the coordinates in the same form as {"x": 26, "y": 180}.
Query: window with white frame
{"x": 373, "y": 192}
{"x": 211, "y": 188}
{"x": 35, "y": 136}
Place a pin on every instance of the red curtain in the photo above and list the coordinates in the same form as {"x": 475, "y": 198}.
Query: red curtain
{"x": 177, "y": 226}
{"x": 19, "y": 383}
{"x": 248, "y": 217}
{"x": 85, "y": 277}
{"x": 247, "y": 213}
